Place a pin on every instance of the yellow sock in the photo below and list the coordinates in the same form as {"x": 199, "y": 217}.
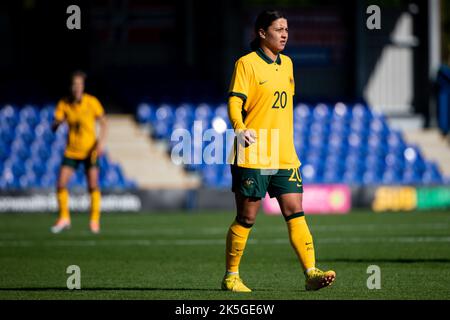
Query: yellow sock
{"x": 236, "y": 239}
{"x": 95, "y": 205}
{"x": 63, "y": 202}
{"x": 301, "y": 240}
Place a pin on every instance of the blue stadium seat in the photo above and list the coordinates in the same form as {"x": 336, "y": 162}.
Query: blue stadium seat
{"x": 317, "y": 142}
{"x": 145, "y": 113}
{"x": 319, "y": 128}
{"x": 36, "y": 166}
{"x": 354, "y": 163}
{"x": 15, "y": 165}
{"x": 226, "y": 176}
{"x": 411, "y": 177}
{"x": 30, "y": 115}
{"x": 321, "y": 113}
{"x": 53, "y": 164}
{"x": 211, "y": 175}
{"x": 184, "y": 112}
{"x": 334, "y": 163}
{"x": 203, "y": 112}
{"x": 6, "y": 133}
{"x": 43, "y": 132}
{"x": 341, "y": 113}
{"x": 379, "y": 127}
{"x": 332, "y": 175}
{"x": 48, "y": 180}
{"x": 302, "y": 114}
{"x": 9, "y": 115}
{"x": 371, "y": 177}
{"x": 374, "y": 164}
{"x": 28, "y": 180}
{"x": 20, "y": 148}
{"x": 395, "y": 140}
{"x": 24, "y": 132}
{"x": 391, "y": 177}
{"x": 221, "y": 111}
{"x": 339, "y": 127}
{"x": 377, "y": 145}
{"x": 161, "y": 130}
{"x": 359, "y": 127}
{"x": 310, "y": 173}
{"x": 394, "y": 162}
{"x": 40, "y": 150}
{"x": 164, "y": 113}
{"x": 8, "y": 180}
{"x": 352, "y": 177}
{"x": 361, "y": 113}
{"x": 47, "y": 114}
{"x": 61, "y": 133}
{"x": 431, "y": 175}
{"x": 4, "y": 150}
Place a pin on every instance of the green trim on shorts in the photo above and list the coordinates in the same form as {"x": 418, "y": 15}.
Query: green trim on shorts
{"x": 255, "y": 183}
{"x": 88, "y": 162}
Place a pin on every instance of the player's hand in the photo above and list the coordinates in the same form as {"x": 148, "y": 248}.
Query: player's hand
{"x": 248, "y": 136}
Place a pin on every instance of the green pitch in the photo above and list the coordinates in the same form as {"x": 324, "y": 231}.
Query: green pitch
{"x": 180, "y": 256}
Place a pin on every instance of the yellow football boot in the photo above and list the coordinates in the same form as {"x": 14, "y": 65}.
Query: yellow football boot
{"x": 232, "y": 282}
{"x": 317, "y": 279}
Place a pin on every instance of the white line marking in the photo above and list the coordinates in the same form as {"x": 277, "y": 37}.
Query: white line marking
{"x": 199, "y": 242}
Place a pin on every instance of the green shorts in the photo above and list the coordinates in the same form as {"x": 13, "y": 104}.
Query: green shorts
{"x": 89, "y": 162}
{"x": 255, "y": 183}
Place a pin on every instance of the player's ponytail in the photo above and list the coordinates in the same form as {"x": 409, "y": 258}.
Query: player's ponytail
{"x": 263, "y": 21}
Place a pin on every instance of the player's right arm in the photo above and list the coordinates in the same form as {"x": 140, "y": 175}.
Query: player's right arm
{"x": 238, "y": 96}
{"x": 235, "y": 106}
{"x": 59, "y": 116}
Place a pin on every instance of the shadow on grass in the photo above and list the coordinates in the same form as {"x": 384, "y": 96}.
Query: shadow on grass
{"x": 385, "y": 260}
{"x": 105, "y": 289}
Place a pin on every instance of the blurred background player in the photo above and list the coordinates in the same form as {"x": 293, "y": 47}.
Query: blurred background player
{"x": 261, "y": 97}
{"x": 81, "y": 111}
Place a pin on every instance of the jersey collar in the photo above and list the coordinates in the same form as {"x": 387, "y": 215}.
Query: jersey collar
{"x": 260, "y": 52}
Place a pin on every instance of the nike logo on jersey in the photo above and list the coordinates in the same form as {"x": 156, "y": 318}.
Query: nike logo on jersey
{"x": 262, "y": 82}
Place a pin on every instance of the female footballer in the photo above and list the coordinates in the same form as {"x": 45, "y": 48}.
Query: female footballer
{"x": 81, "y": 111}
{"x": 260, "y": 108}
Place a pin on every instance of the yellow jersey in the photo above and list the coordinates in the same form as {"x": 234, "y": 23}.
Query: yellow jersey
{"x": 81, "y": 118}
{"x": 267, "y": 88}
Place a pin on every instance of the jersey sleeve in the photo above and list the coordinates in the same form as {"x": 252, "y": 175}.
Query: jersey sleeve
{"x": 235, "y": 113}
{"x": 98, "y": 108}
{"x": 240, "y": 82}
{"x": 59, "y": 111}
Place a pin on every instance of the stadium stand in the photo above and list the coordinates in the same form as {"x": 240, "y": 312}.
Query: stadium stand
{"x": 143, "y": 159}
{"x": 30, "y": 153}
{"x": 339, "y": 143}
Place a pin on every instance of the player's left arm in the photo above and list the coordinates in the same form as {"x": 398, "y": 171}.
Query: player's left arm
{"x": 101, "y": 142}
{"x": 103, "y": 123}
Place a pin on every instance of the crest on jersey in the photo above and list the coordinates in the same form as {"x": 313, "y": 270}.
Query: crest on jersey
{"x": 249, "y": 183}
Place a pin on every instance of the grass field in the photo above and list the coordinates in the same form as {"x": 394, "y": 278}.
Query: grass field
{"x": 180, "y": 256}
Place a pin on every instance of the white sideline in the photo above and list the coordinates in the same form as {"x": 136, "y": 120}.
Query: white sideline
{"x": 223, "y": 230}
{"x": 198, "y": 242}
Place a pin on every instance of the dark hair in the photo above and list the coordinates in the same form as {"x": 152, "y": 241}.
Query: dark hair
{"x": 78, "y": 73}
{"x": 263, "y": 21}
